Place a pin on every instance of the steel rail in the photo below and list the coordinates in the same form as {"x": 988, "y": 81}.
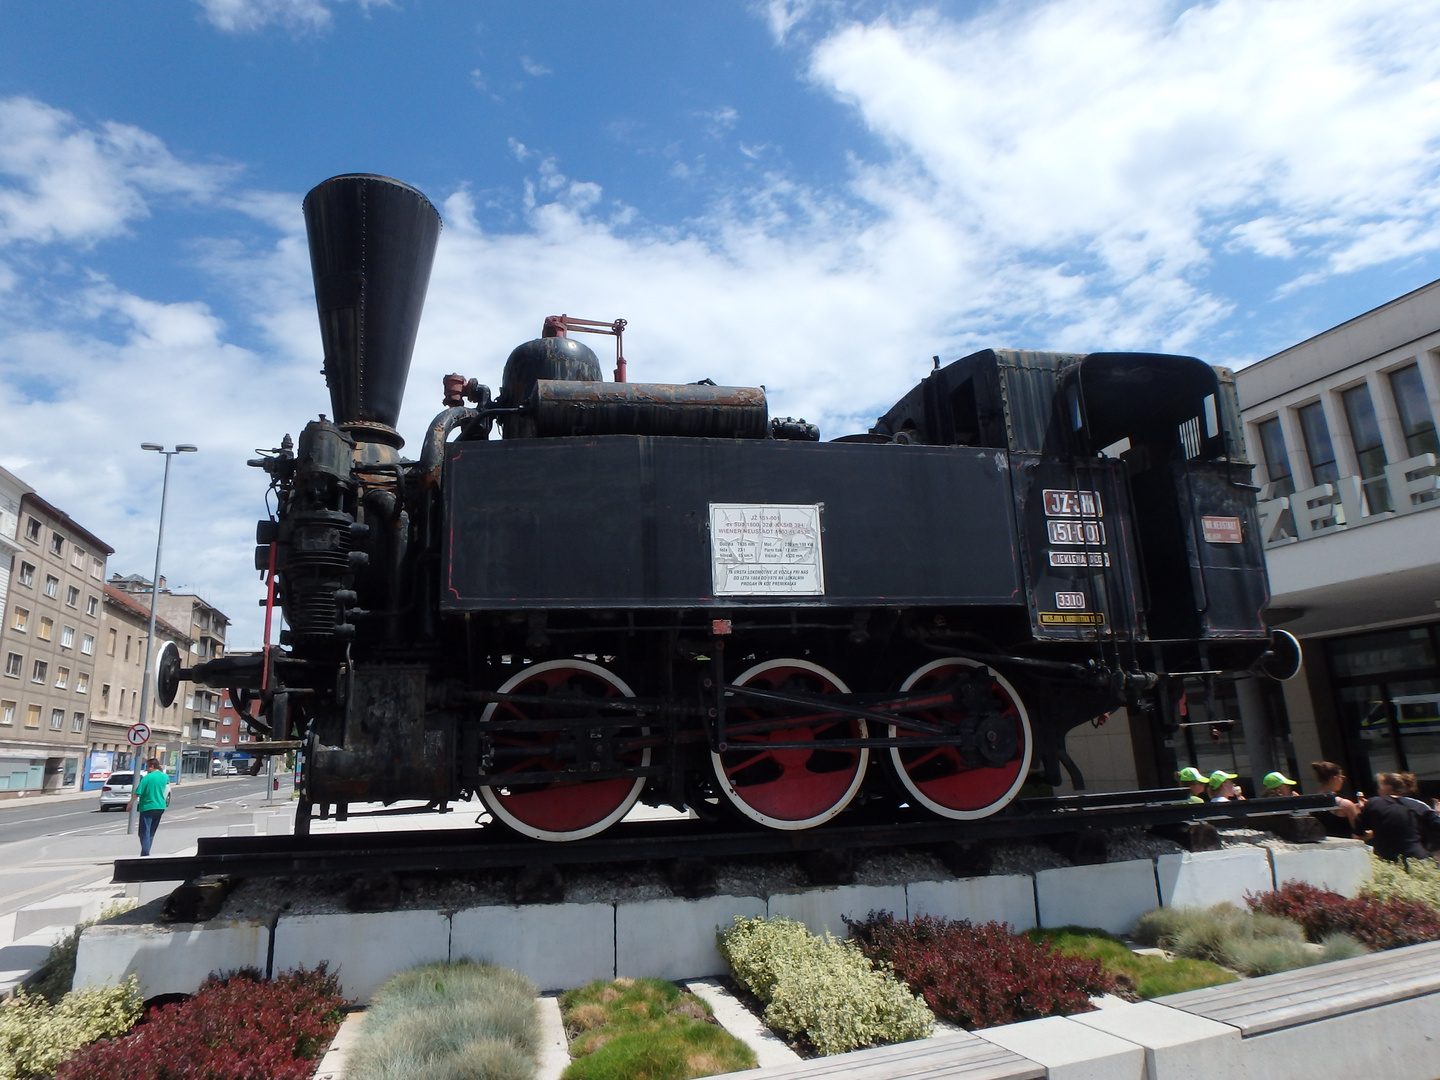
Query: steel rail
{"x": 452, "y": 850}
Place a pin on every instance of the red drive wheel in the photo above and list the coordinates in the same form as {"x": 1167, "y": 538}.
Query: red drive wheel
{"x": 790, "y": 788}
{"x": 964, "y": 783}
{"x": 567, "y": 809}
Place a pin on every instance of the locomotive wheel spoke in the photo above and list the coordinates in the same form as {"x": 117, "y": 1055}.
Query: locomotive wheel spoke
{"x": 790, "y": 788}
{"x": 960, "y": 783}
{"x": 568, "y": 809}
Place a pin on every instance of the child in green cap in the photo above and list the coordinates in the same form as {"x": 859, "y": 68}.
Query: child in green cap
{"x": 1195, "y": 780}
{"x": 1222, "y": 786}
{"x": 1277, "y": 783}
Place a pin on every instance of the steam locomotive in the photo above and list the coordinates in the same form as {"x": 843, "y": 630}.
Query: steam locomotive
{"x": 658, "y": 593}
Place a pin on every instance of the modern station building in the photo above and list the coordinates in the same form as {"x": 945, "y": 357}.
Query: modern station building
{"x": 1343, "y": 430}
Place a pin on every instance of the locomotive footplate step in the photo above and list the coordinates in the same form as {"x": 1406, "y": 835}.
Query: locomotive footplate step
{"x": 487, "y": 848}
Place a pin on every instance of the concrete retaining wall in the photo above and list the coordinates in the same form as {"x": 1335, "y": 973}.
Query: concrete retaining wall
{"x": 168, "y": 959}
{"x": 564, "y": 945}
{"x": 1203, "y": 878}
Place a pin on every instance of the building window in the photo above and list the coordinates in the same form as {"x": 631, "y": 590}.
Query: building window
{"x": 52, "y": 586}
{"x": 77, "y": 558}
{"x": 87, "y": 644}
{"x": 47, "y": 628}
{"x": 1414, "y": 411}
{"x": 19, "y": 619}
{"x": 27, "y": 574}
{"x": 40, "y": 671}
{"x": 82, "y": 683}
{"x": 77, "y": 721}
{"x": 92, "y": 606}
{"x": 1318, "y": 448}
{"x": 57, "y": 544}
{"x": 105, "y": 697}
{"x": 7, "y": 713}
{"x": 32, "y": 716}
{"x": 67, "y": 637}
{"x": 57, "y": 719}
{"x": 1277, "y": 461}
{"x": 13, "y": 663}
{"x": 62, "y": 678}
{"x": 127, "y": 648}
{"x": 32, "y": 530}
{"x": 110, "y": 646}
{"x": 72, "y": 597}
{"x": 121, "y": 710}
{"x": 1369, "y": 449}
{"x": 97, "y": 569}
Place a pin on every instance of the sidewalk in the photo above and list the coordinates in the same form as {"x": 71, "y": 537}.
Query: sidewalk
{"x": 188, "y": 784}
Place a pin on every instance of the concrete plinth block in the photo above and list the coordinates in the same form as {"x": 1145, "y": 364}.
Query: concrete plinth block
{"x": 1071, "y": 1051}
{"x": 1178, "y": 1046}
{"x": 1203, "y": 878}
{"x": 363, "y": 949}
{"x": 145, "y": 891}
{"x": 241, "y": 830}
{"x": 20, "y": 959}
{"x": 1399, "y": 1041}
{"x": 64, "y": 910}
{"x": 1004, "y": 898}
{"x": 821, "y": 910}
{"x": 555, "y": 946}
{"x": 675, "y": 939}
{"x": 1341, "y": 866}
{"x": 173, "y": 958}
{"x": 1111, "y": 895}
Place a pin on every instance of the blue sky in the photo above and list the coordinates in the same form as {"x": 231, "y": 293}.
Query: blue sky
{"x": 816, "y": 195}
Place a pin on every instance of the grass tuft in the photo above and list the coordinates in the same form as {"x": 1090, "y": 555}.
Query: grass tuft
{"x": 461, "y": 1021}
{"x": 1145, "y": 976}
{"x": 1251, "y": 942}
{"x": 645, "y": 1029}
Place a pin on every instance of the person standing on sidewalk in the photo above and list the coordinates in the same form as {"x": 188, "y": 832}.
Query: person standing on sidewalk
{"x": 151, "y": 795}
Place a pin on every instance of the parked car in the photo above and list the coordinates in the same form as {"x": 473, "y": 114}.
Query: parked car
{"x": 117, "y": 789}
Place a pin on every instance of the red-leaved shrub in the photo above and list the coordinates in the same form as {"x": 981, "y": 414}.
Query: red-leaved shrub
{"x": 1380, "y": 924}
{"x": 236, "y": 1027}
{"x": 980, "y": 976}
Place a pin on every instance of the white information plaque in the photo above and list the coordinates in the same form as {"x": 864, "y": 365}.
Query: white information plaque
{"x": 767, "y": 550}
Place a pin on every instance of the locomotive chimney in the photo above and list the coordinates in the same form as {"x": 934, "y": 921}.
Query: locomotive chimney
{"x": 372, "y": 243}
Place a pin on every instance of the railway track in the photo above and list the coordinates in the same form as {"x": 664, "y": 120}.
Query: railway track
{"x": 491, "y": 848}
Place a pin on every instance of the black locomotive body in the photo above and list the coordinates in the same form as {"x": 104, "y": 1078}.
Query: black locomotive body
{"x": 655, "y": 593}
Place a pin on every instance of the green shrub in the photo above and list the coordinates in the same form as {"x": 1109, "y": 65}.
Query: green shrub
{"x": 1251, "y": 942}
{"x": 1417, "y": 880}
{"x": 461, "y": 1021}
{"x": 36, "y": 1036}
{"x": 56, "y": 975}
{"x": 1147, "y": 976}
{"x": 646, "y": 1029}
{"x": 821, "y": 988}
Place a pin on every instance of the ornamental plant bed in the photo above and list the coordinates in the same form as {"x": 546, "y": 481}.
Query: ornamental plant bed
{"x": 460, "y": 1021}
{"x": 1136, "y": 976}
{"x": 1414, "y": 879}
{"x": 36, "y": 1036}
{"x": 1250, "y": 942}
{"x": 238, "y": 1026}
{"x": 981, "y": 976}
{"x": 819, "y": 991}
{"x": 1388, "y": 923}
{"x": 646, "y": 1029}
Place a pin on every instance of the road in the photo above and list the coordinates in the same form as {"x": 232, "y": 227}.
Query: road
{"x": 50, "y": 845}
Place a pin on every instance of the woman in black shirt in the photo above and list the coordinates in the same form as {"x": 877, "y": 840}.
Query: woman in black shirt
{"x": 1394, "y": 828}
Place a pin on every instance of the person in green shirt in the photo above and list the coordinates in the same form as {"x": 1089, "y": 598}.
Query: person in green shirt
{"x": 151, "y": 795}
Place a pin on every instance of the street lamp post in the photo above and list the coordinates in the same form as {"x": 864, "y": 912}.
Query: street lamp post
{"x": 182, "y": 448}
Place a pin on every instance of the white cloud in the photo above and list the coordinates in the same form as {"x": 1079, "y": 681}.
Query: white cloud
{"x": 1132, "y": 134}
{"x": 62, "y": 181}
{"x": 237, "y": 16}
{"x": 534, "y": 67}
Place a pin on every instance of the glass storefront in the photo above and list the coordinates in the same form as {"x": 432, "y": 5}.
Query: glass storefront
{"x": 1387, "y": 697}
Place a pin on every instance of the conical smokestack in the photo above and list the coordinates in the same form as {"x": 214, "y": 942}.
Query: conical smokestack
{"x": 372, "y": 243}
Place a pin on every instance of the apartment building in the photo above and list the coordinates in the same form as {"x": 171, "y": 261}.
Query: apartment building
{"x": 203, "y": 625}
{"x": 120, "y": 672}
{"x": 48, "y": 642}
{"x": 12, "y": 490}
